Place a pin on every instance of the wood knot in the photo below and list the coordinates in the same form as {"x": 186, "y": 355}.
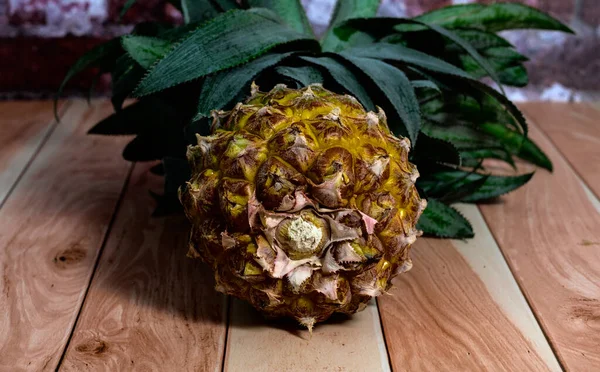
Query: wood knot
{"x": 70, "y": 256}
{"x": 95, "y": 347}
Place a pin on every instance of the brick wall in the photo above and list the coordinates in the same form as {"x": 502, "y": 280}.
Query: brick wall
{"x": 40, "y": 39}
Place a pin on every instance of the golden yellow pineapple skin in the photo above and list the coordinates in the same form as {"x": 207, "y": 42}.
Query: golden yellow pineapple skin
{"x": 302, "y": 202}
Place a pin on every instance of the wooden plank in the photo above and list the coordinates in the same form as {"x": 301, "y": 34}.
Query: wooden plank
{"x": 575, "y": 130}
{"x": 549, "y": 233}
{"x": 460, "y": 309}
{"x": 149, "y": 307}
{"x": 341, "y": 344}
{"x": 23, "y": 127}
{"x": 51, "y": 228}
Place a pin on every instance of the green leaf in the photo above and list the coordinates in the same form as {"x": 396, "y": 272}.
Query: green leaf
{"x": 305, "y": 75}
{"x": 383, "y": 26}
{"x": 145, "y": 50}
{"x": 443, "y": 221}
{"x": 220, "y": 88}
{"x": 463, "y": 190}
{"x": 394, "y": 84}
{"x": 128, "y": 4}
{"x": 103, "y": 56}
{"x": 515, "y": 76}
{"x": 436, "y": 151}
{"x": 344, "y": 10}
{"x": 493, "y": 18}
{"x": 226, "y": 5}
{"x": 177, "y": 173}
{"x": 494, "y": 186}
{"x": 482, "y": 39}
{"x": 290, "y": 11}
{"x": 425, "y": 84}
{"x": 154, "y": 146}
{"x": 226, "y": 41}
{"x": 345, "y": 77}
{"x": 518, "y": 144}
{"x": 461, "y": 136}
{"x": 482, "y": 61}
{"x": 197, "y": 10}
{"x": 400, "y": 53}
{"x": 125, "y": 77}
{"x": 473, "y": 157}
{"x": 146, "y": 115}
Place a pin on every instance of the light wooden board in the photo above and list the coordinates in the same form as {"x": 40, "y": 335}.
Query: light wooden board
{"x": 549, "y": 231}
{"x": 24, "y": 125}
{"x": 575, "y": 131}
{"x": 341, "y": 344}
{"x": 51, "y": 228}
{"x": 149, "y": 307}
{"x": 460, "y": 309}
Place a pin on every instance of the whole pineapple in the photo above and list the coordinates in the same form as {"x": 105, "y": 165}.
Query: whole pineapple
{"x": 303, "y": 203}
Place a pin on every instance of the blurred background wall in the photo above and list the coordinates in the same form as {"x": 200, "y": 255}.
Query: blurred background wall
{"x": 40, "y": 39}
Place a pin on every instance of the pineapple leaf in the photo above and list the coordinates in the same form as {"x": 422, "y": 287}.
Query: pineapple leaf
{"x": 481, "y": 61}
{"x": 154, "y": 145}
{"x": 425, "y": 84}
{"x": 290, "y": 11}
{"x": 197, "y": 10}
{"x": 344, "y": 10}
{"x": 394, "y": 84}
{"x": 462, "y": 190}
{"x": 125, "y": 77}
{"x": 220, "y": 88}
{"x": 493, "y": 186}
{"x": 149, "y": 114}
{"x": 399, "y": 53}
{"x": 128, "y": 4}
{"x": 102, "y": 56}
{"x": 435, "y": 151}
{"x": 343, "y": 76}
{"x": 145, "y": 50}
{"x": 473, "y": 157}
{"x": 225, "y": 5}
{"x": 482, "y": 39}
{"x": 461, "y": 136}
{"x": 493, "y": 18}
{"x": 518, "y": 144}
{"x": 384, "y": 26}
{"x": 221, "y": 43}
{"x": 304, "y": 75}
{"x": 515, "y": 76}
{"x": 177, "y": 173}
{"x": 443, "y": 221}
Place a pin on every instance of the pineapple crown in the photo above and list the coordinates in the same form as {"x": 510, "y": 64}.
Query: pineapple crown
{"x": 426, "y": 72}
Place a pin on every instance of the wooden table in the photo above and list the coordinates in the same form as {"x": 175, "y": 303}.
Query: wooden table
{"x": 89, "y": 281}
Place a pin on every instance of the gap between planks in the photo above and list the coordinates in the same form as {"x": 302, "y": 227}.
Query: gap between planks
{"x": 53, "y": 223}
{"x": 148, "y": 306}
{"x": 22, "y": 139}
{"x": 542, "y": 229}
{"x": 460, "y": 308}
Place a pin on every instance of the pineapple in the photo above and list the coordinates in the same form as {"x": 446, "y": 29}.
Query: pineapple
{"x": 304, "y": 200}
{"x": 303, "y": 203}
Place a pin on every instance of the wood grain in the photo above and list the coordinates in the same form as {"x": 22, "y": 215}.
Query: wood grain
{"x": 51, "y": 228}
{"x": 549, "y": 232}
{"x": 341, "y": 344}
{"x": 23, "y": 128}
{"x": 460, "y": 309}
{"x": 575, "y": 130}
{"x": 149, "y": 307}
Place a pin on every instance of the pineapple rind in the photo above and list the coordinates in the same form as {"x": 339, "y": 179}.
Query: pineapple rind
{"x": 303, "y": 203}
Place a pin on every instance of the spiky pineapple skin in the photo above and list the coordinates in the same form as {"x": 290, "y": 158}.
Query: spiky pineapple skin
{"x": 302, "y": 202}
